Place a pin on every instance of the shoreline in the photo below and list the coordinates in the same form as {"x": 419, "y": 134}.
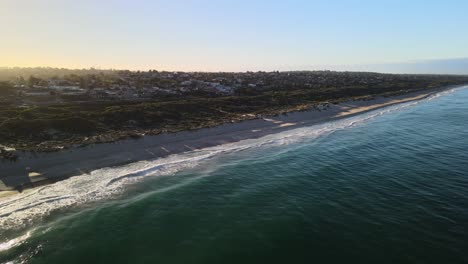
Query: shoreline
{"x": 36, "y": 169}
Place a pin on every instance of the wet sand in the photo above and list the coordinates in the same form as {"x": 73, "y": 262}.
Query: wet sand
{"x": 34, "y": 169}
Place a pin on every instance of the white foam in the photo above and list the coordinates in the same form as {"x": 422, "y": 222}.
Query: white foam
{"x": 14, "y": 242}
{"x": 20, "y": 209}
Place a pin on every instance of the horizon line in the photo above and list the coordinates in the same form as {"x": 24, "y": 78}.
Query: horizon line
{"x": 220, "y": 71}
{"x": 283, "y": 68}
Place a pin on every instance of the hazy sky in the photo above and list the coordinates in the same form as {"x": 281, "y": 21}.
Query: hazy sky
{"x": 227, "y": 35}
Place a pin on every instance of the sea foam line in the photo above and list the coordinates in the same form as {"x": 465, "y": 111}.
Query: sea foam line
{"x": 14, "y": 242}
{"x": 21, "y": 209}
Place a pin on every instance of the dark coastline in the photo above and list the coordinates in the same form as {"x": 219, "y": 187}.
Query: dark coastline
{"x": 60, "y": 165}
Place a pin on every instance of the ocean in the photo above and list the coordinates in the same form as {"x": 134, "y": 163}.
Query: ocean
{"x": 387, "y": 186}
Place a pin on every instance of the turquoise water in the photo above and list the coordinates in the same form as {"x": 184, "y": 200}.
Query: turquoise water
{"x": 386, "y": 187}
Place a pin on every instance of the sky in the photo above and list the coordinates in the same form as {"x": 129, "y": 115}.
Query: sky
{"x": 237, "y": 35}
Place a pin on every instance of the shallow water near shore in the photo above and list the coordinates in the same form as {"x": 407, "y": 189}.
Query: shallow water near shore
{"x": 387, "y": 186}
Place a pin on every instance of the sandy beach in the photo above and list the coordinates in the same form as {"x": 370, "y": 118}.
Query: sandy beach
{"x": 34, "y": 169}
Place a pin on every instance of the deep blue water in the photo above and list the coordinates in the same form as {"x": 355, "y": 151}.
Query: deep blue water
{"x": 387, "y": 187}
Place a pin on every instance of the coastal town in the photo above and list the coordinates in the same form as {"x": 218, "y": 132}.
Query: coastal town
{"x": 47, "y": 86}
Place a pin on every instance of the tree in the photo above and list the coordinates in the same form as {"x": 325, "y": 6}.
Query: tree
{"x": 33, "y": 81}
{"x": 21, "y": 80}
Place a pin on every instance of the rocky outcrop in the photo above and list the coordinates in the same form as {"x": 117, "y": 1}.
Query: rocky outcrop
{"x": 8, "y": 153}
